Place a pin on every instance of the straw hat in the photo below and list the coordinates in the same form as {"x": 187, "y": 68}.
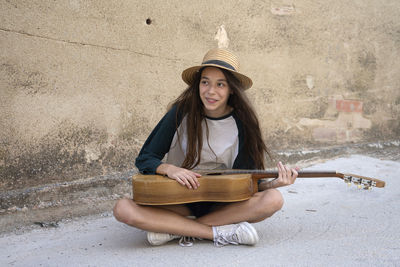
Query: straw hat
{"x": 220, "y": 58}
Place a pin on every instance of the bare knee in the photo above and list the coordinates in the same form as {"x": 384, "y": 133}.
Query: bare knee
{"x": 123, "y": 210}
{"x": 275, "y": 199}
{"x": 271, "y": 201}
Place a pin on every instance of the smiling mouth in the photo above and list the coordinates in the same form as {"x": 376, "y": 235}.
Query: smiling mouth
{"x": 211, "y": 100}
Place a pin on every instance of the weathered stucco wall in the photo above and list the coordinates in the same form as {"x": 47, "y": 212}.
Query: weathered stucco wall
{"x": 83, "y": 82}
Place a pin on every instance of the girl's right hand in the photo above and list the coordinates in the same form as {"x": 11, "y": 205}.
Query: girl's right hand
{"x": 183, "y": 176}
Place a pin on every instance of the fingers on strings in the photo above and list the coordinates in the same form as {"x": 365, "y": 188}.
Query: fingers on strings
{"x": 286, "y": 174}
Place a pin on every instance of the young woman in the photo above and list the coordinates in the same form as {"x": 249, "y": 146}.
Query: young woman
{"x": 211, "y": 125}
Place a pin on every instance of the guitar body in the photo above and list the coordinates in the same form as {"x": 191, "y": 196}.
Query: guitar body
{"x": 160, "y": 190}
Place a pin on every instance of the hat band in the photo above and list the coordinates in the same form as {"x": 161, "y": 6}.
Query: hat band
{"x": 220, "y": 63}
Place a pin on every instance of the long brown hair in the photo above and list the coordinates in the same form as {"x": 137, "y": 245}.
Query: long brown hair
{"x": 189, "y": 104}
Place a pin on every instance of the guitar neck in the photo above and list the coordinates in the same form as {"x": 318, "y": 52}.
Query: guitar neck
{"x": 259, "y": 174}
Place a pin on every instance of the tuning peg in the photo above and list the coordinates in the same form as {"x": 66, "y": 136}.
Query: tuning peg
{"x": 359, "y": 186}
{"x": 348, "y": 184}
{"x": 369, "y": 188}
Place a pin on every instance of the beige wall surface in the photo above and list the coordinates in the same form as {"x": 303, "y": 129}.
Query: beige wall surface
{"x": 82, "y": 83}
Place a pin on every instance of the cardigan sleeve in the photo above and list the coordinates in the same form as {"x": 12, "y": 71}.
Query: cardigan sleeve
{"x": 157, "y": 144}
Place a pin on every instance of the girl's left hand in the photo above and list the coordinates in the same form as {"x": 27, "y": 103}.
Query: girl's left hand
{"x": 286, "y": 176}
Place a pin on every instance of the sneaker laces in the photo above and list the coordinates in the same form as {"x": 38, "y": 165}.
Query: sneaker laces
{"x": 225, "y": 238}
{"x": 186, "y": 241}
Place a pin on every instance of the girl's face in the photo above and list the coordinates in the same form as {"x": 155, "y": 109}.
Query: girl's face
{"x": 214, "y": 92}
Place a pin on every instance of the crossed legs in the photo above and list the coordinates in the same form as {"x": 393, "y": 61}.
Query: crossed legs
{"x": 173, "y": 219}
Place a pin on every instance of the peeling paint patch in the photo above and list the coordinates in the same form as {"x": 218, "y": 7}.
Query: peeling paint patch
{"x": 349, "y": 105}
{"x": 395, "y": 143}
{"x": 347, "y": 126}
{"x": 310, "y": 81}
{"x": 283, "y": 10}
{"x": 222, "y": 37}
{"x": 300, "y": 153}
{"x": 324, "y": 134}
{"x": 92, "y": 153}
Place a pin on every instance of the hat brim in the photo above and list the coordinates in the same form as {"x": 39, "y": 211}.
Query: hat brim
{"x": 189, "y": 73}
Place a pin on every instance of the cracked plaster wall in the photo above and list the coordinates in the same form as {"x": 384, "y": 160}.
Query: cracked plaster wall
{"x": 82, "y": 83}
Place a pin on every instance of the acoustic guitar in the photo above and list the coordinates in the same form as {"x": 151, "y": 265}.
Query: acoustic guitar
{"x": 223, "y": 185}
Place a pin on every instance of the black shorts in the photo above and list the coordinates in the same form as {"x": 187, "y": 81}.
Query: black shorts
{"x": 199, "y": 209}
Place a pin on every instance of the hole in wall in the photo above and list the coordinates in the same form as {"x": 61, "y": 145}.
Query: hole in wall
{"x": 148, "y": 21}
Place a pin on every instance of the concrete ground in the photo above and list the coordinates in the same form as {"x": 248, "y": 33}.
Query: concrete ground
{"x": 323, "y": 223}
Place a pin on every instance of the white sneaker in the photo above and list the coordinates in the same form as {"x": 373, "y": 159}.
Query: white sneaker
{"x": 157, "y": 239}
{"x": 235, "y": 234}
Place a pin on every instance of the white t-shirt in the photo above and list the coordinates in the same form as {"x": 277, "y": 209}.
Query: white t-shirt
{"x": 220, "y": 147}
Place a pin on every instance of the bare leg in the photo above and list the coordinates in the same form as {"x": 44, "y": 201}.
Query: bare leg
{"x": 171, "y": 219}
{"x": 259, "y": 207}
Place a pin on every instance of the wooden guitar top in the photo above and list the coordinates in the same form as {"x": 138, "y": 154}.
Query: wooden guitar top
{"x": 160, "y": 190}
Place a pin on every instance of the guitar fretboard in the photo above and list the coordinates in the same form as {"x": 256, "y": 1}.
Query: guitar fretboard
{"x": 271, "y": 173}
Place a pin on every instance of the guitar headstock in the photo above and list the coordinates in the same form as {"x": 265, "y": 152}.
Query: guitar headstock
{"x": 361, "y": 181}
